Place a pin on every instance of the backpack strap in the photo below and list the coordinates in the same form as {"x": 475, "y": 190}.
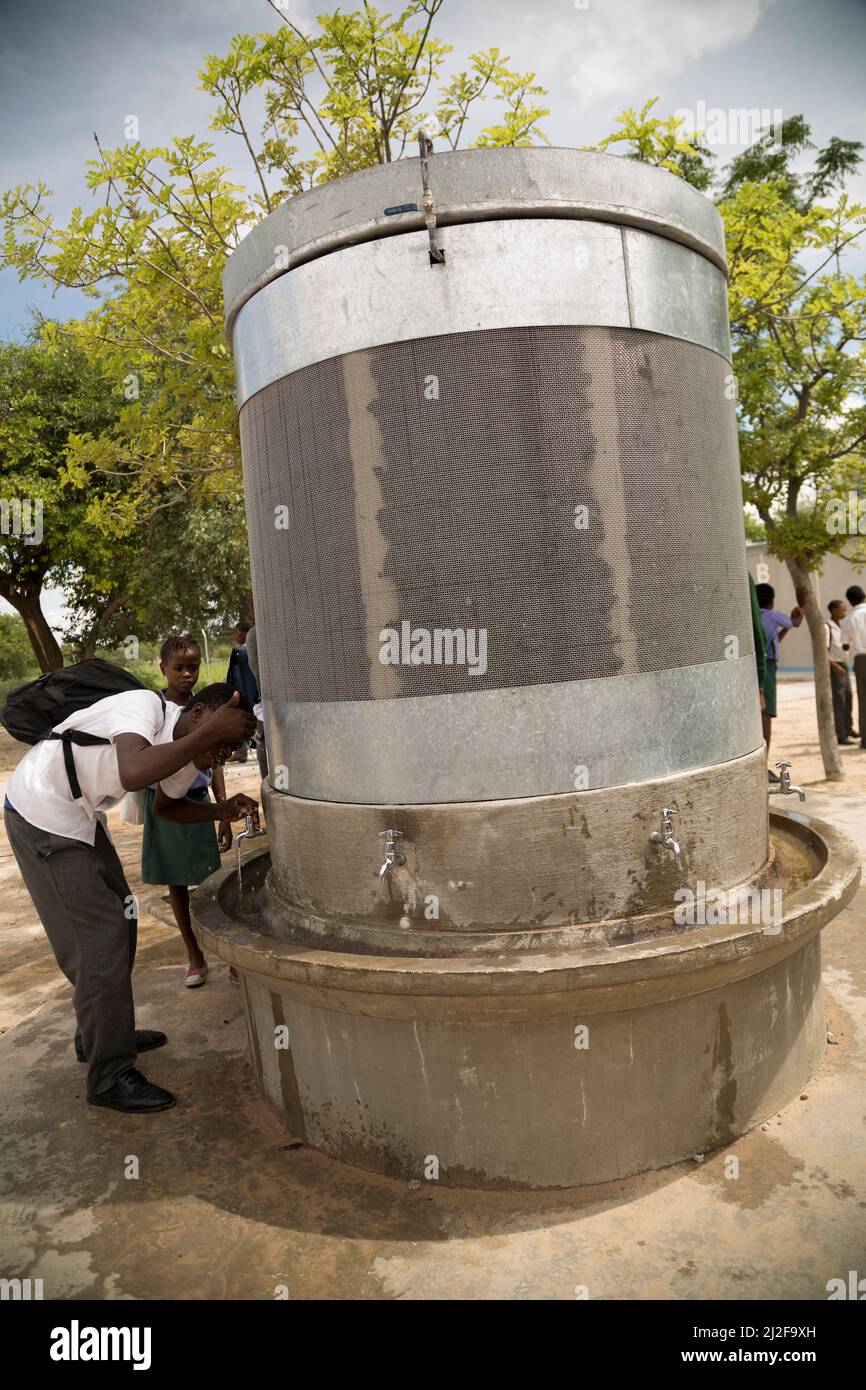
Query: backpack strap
{"x": 67, "y": 738}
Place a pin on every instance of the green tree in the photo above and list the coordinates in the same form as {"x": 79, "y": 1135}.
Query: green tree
{"x": 187, "y": 569}
{"x": 801, "y": 367}
{"x": 798, "y": 325}
{"x": 16, "y": 653}
{"x": 49, "y": 393}
{"x": 151, "y": 252}
{"x": 662, "y": 143}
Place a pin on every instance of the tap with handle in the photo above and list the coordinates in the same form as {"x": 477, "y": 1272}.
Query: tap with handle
{"x": 784, "y": 786}
{"x": 664, "y": 836}
{"x": 392, "y": 855}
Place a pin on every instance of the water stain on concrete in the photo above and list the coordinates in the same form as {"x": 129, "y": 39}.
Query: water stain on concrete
{"x": 724, "y": 1081}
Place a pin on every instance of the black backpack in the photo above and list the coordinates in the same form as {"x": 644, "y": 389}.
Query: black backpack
{"x": 32, "y": 712}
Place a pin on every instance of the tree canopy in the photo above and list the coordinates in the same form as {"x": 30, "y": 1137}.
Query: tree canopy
{"x": 161, "y": 472}
{"x": 798, "y": 326}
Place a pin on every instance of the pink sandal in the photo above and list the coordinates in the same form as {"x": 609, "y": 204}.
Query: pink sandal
{"x": 195, "y": 976}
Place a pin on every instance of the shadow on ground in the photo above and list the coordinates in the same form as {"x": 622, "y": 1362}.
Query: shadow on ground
{"x": 224, "y": 1207}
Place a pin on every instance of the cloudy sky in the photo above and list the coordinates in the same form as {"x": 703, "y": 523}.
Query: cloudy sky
{"x": 72, "y": 67}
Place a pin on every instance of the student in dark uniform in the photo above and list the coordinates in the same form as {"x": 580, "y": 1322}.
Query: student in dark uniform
{"x": 240, "y": 677}
{"x": 776, "y": 624}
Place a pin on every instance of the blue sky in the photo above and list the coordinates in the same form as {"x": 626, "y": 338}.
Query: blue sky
{"x": 68, "y": 69}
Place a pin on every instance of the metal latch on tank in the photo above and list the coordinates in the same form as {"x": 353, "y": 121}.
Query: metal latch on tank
{"x": 437, "y": 255}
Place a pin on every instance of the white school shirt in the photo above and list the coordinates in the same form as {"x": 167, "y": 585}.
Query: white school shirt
{"x": 854, "y": 631}
{"x": 834, "y": 643}
{"x": 39, "y": 787}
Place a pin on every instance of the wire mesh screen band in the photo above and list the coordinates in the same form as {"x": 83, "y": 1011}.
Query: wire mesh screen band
{"x": 572, "y": 493}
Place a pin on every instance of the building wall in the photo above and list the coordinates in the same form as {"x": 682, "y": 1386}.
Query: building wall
{"x": 795, "y": 652}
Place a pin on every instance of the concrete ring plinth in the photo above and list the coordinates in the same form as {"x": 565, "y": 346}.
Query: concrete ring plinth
{"x": 544, "y": 1068}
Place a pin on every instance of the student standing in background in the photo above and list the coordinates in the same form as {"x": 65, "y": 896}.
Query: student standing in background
{"x": 854, "y": 634}
{"x": 759, "y": 640}
{"x": 840, "y": 676}
{"x": 775, "y": 625}
{"x": 182, "y": 856}
{"x": 252, "y": 646}
{"x": 240, "y": 677}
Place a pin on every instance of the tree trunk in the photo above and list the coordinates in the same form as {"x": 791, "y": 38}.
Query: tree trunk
{"x": 88, "y": 645}
{"x": 799, "y": 571}
{"x": 247, "y": 612}
{"x": 45, "y": 645}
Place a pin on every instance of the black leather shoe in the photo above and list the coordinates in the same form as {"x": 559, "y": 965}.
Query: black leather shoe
{"x": 845, "y": 742}
{"x": 146, "y": 1039}
{"x": 134, "y": 1094}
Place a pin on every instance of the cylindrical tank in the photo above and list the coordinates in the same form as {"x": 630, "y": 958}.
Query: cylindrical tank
{"x": 497, "y": 550}
{"x": 506, "y": 655}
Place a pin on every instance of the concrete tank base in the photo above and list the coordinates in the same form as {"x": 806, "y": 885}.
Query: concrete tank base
{"x": 547, "y": 1068}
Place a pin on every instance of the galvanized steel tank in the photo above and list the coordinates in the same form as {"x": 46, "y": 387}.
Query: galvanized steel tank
{"x": 510, "y": 688}
{"x": 531, "y": 445}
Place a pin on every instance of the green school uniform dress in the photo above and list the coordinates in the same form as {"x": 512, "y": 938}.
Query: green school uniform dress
{"x": 178, "y": 854}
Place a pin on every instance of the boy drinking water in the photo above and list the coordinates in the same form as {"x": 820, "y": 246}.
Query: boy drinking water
{"x": 73, "y": 871}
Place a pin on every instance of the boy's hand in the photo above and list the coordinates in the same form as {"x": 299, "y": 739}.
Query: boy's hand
{"x": 224, "y": 836}
{"x": 239, "y": 806}
{"x": 230, "y": 725}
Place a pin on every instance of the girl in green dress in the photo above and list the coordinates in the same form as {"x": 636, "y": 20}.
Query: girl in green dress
{"x": 184, "y": 855}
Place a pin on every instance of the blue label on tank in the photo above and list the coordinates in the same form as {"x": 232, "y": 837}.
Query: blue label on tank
{"x": 404, "y": 207}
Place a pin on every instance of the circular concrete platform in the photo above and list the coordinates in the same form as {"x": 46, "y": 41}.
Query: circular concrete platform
{"x": 578, "y": 1061}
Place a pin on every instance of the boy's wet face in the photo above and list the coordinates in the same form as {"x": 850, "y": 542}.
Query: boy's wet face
{"x": 181, "y": 671}
{"x": 213, "y": 757}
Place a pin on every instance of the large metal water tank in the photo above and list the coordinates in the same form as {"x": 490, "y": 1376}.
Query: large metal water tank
{"x": 497, "y": 547}
{"x": 510, "y": 687}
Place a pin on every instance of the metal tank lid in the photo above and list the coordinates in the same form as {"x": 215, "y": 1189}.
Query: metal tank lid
{"x": 470, "y": 186}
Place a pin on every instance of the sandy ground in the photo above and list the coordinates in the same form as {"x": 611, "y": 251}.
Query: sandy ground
{"x": 223, "y": 1205}
{"x": 795, "y": 738}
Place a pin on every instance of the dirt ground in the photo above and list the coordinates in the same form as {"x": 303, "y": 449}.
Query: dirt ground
{"x": 795, "y": 738}
{"x": 225, "y": 1205}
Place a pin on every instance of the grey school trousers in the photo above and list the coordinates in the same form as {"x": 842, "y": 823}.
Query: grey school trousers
{"x": 90, "y": 917}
